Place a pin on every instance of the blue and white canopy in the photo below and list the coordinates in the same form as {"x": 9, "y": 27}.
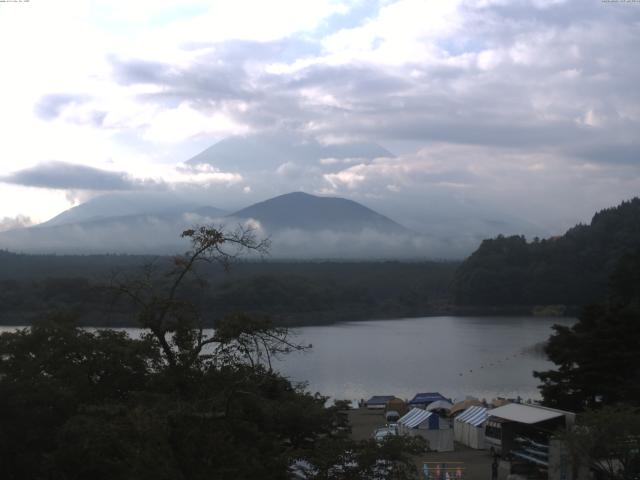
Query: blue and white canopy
{"x": 475, "y": 415}
{"x": 415, "y": 417}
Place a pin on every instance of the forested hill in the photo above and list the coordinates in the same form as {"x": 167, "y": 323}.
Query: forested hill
{"x": 571, "y": 269}
{"x": 290, "y": 292}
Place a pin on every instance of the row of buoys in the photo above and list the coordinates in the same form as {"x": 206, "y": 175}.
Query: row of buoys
{"x": 497, "y": 362}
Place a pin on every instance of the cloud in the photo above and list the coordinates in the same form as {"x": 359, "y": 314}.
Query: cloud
{"x": 81, "y": 182}
{"x": 457, "y": 183}
{"x": 10, "y": 223}
{"x": 62, "y": 175}
{"x": 203, "y": 176}
{"x": 50, "y": 106}
{"x": 496, "y": 97}
{"x": 525, "y": 74}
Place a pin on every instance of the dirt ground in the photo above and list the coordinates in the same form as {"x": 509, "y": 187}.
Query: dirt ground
{"x": 477, "y": 463}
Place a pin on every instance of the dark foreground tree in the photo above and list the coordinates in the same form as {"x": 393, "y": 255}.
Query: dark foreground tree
{"x": 607, "y": 442}
{"x": 176, "y": 403}
{"x": 598, "y": 358}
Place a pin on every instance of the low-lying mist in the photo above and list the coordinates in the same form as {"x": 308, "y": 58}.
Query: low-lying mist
{"x": 152, "y": 234}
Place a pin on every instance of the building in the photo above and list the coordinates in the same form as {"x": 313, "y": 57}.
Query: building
{"x": 523, "y": 435}
{"x": 379, "y": 402}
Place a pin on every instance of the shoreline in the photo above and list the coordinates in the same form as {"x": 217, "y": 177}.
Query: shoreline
{"x": 309, "y": 319}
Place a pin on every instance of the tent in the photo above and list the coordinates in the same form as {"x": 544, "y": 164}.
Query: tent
{"x": 439, "y": 405}
{"x": 427, "y": 425}
{"x": 424, "y": 399}
{"x": 468, "y": 427}
{"x": 397, "y": 405}
{"x": 464, "y": 404}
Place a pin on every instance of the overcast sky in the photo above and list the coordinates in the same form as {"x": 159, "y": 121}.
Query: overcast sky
{"x": 525, "y": 108}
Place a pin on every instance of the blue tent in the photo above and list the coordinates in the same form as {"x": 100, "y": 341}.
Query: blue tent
{"x": 424, "y": 399}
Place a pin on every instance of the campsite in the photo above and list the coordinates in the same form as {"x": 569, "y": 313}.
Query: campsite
{"x": 471, "y": 438}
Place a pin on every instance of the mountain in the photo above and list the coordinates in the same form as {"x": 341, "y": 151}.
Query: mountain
{"x": 123, "y": 204}
{"x": 305, "y": 226}
{"x": 132, "y": 234}
{"x": 571, "y": 269}
{"x": 268, "y": 151}
{"x": 300, "y": 225}
{"x": 125, "y": 222}
{"x": 302, "y": 211}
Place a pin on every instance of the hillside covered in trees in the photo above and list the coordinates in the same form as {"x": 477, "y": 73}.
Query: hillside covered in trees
{"x": 571, "y": 269}
{"x": 289, "y": 292}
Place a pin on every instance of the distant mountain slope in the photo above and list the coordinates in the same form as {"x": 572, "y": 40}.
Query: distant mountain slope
{"x": 86, "y": 231}
{"x": 135, "y": 234}
{"x": 268, "y": 151}
{"x": 124, "y": 204}
{"x": 300, "y": 226}
{"x": 302, "y": 211}
{"x": 571, "y": 269}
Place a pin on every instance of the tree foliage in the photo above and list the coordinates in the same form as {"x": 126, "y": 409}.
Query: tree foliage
{"x": 571, "y": 269}
{"x": 291, "y": 293}
{"x": 598, "y": 358}
{"x": 607, "y": 440}
{"x": 177, "y": 403}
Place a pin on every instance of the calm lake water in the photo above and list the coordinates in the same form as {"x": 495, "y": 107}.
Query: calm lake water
{"x": 456, "y": 356}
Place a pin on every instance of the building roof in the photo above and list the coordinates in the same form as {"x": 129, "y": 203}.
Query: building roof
{"x": 475, "y": 415}
{"x": 422, "y": 398}
{"x": 518, "y": 412}
{"x": 379, "y": 400}
{"x": 415, "y": 417}
{"x": 440, "y": 405}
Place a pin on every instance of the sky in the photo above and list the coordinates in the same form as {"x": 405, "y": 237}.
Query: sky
{"x": 522, "y": 109}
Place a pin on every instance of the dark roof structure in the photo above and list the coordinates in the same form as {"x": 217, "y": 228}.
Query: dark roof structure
{"x": 379, "y": 400}
{"x": 426, "y": 398}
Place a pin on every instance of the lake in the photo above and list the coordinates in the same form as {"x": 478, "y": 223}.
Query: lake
{"x": 457, "y": 356}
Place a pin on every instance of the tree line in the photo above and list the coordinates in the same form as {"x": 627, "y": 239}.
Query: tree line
{"x": 571, "y": 269}
{"x": 292, "y": 293}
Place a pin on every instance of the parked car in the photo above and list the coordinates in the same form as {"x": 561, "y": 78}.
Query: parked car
{"x": 380, "y": 434}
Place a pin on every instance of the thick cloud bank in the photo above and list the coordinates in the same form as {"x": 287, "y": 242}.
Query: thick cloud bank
{"x": 503, "y": 116}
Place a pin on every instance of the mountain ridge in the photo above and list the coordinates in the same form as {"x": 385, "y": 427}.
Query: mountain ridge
{"x": 348, "y": 229}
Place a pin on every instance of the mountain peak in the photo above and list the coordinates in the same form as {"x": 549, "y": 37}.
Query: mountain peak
{"x": 303, "y": 211}
{"x": 267, "y": 151}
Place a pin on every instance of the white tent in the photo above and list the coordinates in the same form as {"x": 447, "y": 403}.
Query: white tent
{"x": 468, "y": 427}
{"x": 439, "y": 405}
{"x": 427, "y": 425}
{"x": 416, "y": 418}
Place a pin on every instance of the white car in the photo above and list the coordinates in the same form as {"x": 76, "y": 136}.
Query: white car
{"x": 383, "y": 432}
